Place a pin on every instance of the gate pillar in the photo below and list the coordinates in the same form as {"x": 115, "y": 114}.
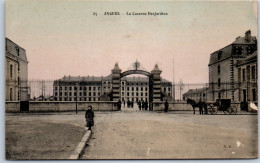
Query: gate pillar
{"x": 116, "y": 82}
{"x": 156, "y": 72}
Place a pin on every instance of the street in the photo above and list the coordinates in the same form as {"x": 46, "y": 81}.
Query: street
{"x": 134, "y": 134}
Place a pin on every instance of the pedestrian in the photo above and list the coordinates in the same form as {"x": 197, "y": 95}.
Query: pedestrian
{"x": 89, "y": 116}
{"x": 139, "y": 105}
{"x": 128, "y": 103}
{"x": 166, "y": 106}
{"x": 200, "y": 106}
{"x": 119, "y": 105}
{"x": 124, "y": 103}
{"x": 146, "y": 104}
{"x": 142, "y": 104}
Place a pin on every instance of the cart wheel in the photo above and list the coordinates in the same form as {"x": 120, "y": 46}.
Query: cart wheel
{"x": 214, "y": 110}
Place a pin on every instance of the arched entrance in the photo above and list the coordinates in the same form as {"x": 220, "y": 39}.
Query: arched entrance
{"x": 154, "y": 82}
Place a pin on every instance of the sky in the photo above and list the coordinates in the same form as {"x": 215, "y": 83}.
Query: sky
{"x": 63, "y": 37}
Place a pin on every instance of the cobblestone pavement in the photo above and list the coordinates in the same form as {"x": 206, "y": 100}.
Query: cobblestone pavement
{"x": 134, "y": 134}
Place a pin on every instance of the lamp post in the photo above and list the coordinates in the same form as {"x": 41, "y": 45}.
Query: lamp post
{"x": 77, "y": 97}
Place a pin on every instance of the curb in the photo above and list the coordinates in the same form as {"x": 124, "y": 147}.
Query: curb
{"x": 79, "y": 149}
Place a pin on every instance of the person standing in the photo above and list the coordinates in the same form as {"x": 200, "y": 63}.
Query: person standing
{"x": 119, "y": 105}
{"x": 139, "y": 105}
{"x": 142, "y": 104}
{"x": 89, "y": 116}
{"x": 146, "y": 104}
{"x": 166, "y": 106}
{"x": 200, "y": 106}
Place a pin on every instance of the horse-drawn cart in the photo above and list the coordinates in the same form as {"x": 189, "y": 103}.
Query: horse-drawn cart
{"x": 222, "y": 105}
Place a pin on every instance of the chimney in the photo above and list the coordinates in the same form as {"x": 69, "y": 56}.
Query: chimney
{"x": 248, "y": 36}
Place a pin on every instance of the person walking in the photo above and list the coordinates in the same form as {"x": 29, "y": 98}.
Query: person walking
{"x": 89, "y": 116}
{"x": 166, "y": 106}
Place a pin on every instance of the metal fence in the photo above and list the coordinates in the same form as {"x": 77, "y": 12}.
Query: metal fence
{"x": 43, "y": 90}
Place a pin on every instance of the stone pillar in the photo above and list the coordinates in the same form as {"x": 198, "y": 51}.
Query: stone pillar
{"x": 156, "y": 72}
{"x": 116, "y": 82}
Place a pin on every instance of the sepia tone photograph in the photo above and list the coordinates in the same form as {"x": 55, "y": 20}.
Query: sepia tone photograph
{"x": 131, "y": 80}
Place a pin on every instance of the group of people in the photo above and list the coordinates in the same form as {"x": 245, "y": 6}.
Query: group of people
{"x": 142, "y": 105}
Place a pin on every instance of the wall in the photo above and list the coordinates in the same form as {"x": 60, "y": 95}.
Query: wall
{"x": 57, "y": 106}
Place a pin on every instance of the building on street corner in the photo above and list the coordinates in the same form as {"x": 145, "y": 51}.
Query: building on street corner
{"x": 16, "y": 72}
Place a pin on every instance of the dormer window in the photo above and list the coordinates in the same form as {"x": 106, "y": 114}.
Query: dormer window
{"x": 17, "y": 51}
{"x": 250, "y": 49}
{"x": 219, "y": 55}
{"x": 239, "y": 50}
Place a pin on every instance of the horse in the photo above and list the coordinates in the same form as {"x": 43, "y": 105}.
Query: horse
{"x": 200, "y": 104}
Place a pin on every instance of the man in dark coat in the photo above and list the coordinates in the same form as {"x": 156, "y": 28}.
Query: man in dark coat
{"x": 89, "y": 115}
{"x": 166, "y": 106}
{"x": 119, "y": 105}
{"x": 142, "y": 105}
{"x": 200, "y": 106}
{"x": 139, "y": 105}
{"x": 146, "y": 104}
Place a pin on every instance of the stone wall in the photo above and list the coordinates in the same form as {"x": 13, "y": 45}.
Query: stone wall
{"x": 59, "y": 106}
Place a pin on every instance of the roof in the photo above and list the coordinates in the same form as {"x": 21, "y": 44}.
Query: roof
{"x": 226, "y": 52}
{"x": 106, "y": 78}
{"x": 11, "y": 48}
{"x": 197, "y": 90}
{"x": 249, "y": 59}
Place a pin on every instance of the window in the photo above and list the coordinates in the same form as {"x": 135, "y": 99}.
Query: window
{"x": 89, "y": 88}
{"x": 244, "y": 74}
{"x": 60, "y": 87}
{"x": 136, "y": 88}
{"x": 65, "y": 88}
{"x": 164, "y": 89}
{"x": 65, "y": 93}
{"x": 89, "y": 93}
{"x": 60, "y": 93}
{"x": 99, "y": 88}
{"x": 11, "y": 94}
{"x": 123, "y": 88}
{"x": 89, "y": 99}
{"x": 75, "y": 93}
{"x": 132, "y": 88}
{"x": 85, "y": 94}
{"x": 127, "y": 88}
{"x": 70, "y": 94}
{"x": 80, "y": 88}
{"x": 75, "y": 88}
{"x": 80, "y": 93}
{"x": 219, "y": 82}
{"x": 253, "y": 72}
{"x": 142, "y": 94}
{"x": 238, "y": 50}
{"x": 56, "y": 93}
{"x": 218, "y": 69}
{"x": 17, "y": 51}
{"x": 127, "y": 93}
{"x": 142, "y": 89}
{"x": 145, "y": 88}
{"x": 56, "y": 88}
{"x": 145, "y": 94}
{"x": 18, "y": 67}
{"x": 169, "y": 89}
{"x": 70, "y": 88}
{"x": 11, "y": 71}
{"x": 94, "y": 94}
{"x": 132, "y": 93}
{"x": 136, "y": 93}
{"x": 94, "y": 88}
{"x": 219, "y": 55}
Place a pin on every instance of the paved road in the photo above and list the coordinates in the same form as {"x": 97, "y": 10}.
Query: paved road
{"x": 133, "y": 134}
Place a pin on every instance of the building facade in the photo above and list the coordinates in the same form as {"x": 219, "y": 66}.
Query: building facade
{"x": 16, "y": 72}
{"x": 197, "y": 94}
{"x": 247, "y": 78}
{"x": 223, "y": 72}
{"x": 89, "y": 88}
